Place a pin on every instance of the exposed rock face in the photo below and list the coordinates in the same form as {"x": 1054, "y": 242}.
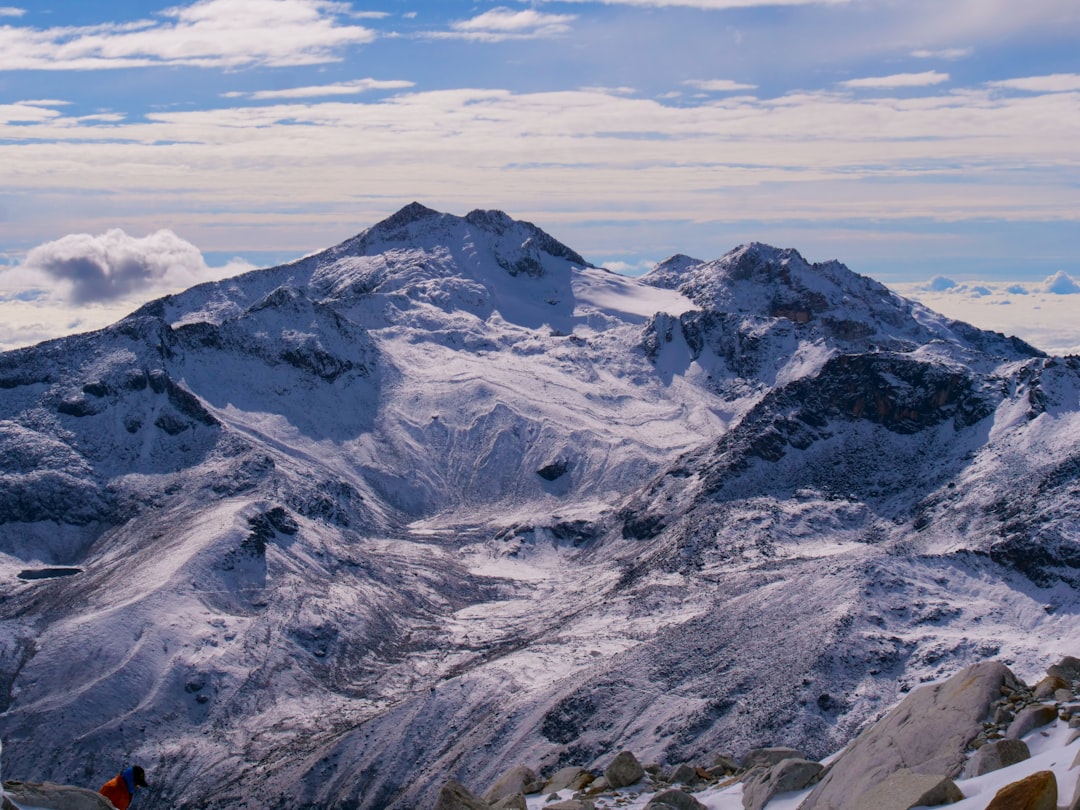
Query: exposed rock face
{"x": 1035, "y": 792}
{"x": 927, "y": 733}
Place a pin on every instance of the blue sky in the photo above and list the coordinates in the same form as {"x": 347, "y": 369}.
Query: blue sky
{"x": 145, "y": 146}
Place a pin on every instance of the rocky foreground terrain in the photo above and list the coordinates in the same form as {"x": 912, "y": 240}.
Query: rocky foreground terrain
{"x": 969, "y": 726}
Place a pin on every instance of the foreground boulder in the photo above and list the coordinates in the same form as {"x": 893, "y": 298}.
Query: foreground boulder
{"x": 1035, "y": 792}
{"x": 925, "y": 734}
{"x": 55, "y": 797}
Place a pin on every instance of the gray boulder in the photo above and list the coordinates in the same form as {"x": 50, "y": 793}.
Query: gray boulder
{"x": 453, "y": 796}
{"x": 55, "y": 797}
{"x": 996, "y": 755}
{"x": 571, "y": 804}
{"x": 1068, "y": 669}
{"x": 784, "y": 777}
{"x": 769, "y": 756}
{"x": 904, "y": 789}
{"x": 1030, "y": 718}
{"x": 624, "y": 770}
{"x": 926, "y": 734}
{"x": 513, "y": 781}
{"x": 674, "y": 799}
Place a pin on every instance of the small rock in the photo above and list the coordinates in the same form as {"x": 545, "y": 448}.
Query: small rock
{"x": 996, "y": 755}
{"x": 1063, "y": 695}
{"x": 726, "y": 762}
{"x": 1029, "y": 719}
{"x": 1035, "y": 792}
{"x": 624, "y": 770}
{"x": 1003, "y": 716}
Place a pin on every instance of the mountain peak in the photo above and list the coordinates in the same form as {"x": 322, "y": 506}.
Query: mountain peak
{"x": 413, "y": 212}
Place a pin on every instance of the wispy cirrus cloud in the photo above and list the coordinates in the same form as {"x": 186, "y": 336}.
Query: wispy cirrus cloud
{"x": 206, "y": 33}
{"x": 502, "y": 24}
{"x": 718, "y": 85}
{"x": 1054, "y": 83}
{"x": 314, "y": 91}
{"x": 949, "y": 54}
{"x": 898, "y": 80}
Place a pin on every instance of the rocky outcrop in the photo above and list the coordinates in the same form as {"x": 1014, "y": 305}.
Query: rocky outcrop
{"x": 926, "y": 734}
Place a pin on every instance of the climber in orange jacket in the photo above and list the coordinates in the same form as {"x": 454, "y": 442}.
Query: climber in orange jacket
{"x": 120, "y": 790}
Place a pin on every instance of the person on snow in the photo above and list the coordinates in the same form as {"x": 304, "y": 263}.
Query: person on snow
{"x": 120, "y": 790}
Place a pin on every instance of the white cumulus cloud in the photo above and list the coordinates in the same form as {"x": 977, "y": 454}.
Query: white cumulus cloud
{"x": 114, "y": 265}
{"x": 1061, "y": 283}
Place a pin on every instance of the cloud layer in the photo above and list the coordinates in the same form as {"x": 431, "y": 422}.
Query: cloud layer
{"x": 207, "y": 33}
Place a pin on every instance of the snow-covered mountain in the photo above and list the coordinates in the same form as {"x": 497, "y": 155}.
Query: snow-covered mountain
{"x": 446, "y": 496}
